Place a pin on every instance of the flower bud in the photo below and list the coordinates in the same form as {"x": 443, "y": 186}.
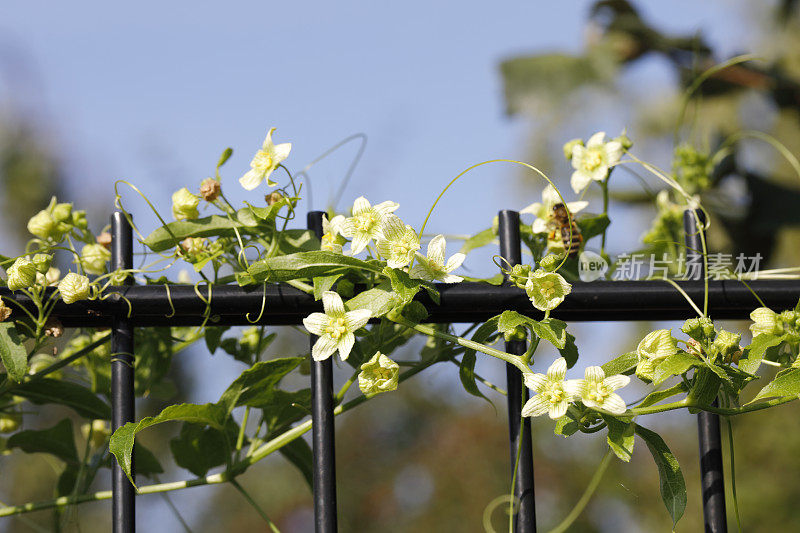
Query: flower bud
{"x": 10, "y": 422}
{"x": 765, "y": 320}
{"x": 94, "y": 258}
{"x": 569, "y": 147}
{"x": 546, "y": 290}
{"x": 550, "y": 262}
{"x": 700, "y": 329}
{"x": 5, "y": 311}
{"x": 519, "y": 333}
{"x": 42, "y": 262}
{"x": 74, "y": 288}
{"x": 51, "y": 277}
{"x": 379, "y": 374}
{"x": 61, "y": 212}
{"x": 22, "y": 274}
{"x": 209, "y": 189}
{"x": 519, "y": 275}
{"x": 79, "y": 219}
{"x": 192, "y": 246}
{"x": 184, "y": 205}
{"x": 657, "y": 345}
{"x": 727, "y": 346}
{"x": 624, "y": 140}
{"x": 104, "y": 240}
{"x": 42, "y": 225}
{"x": 99, "y": 430}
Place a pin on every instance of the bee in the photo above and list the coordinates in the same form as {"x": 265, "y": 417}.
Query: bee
{"x": 563, "y": 228}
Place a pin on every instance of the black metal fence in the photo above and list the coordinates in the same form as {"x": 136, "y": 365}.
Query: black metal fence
{"x": 149, "y": 306}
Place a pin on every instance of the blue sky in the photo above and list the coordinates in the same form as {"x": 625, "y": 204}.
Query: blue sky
{"x": 153, "y": 92}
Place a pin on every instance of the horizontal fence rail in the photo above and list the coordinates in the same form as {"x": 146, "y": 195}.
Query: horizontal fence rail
{"x": 597, "y": 301}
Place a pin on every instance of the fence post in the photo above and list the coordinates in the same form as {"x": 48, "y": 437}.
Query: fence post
{"x": 519, "y": 429}
{"x": 712, "y": 481}
{"x": 322, "y": 427}
{"x": 122, "y": 376}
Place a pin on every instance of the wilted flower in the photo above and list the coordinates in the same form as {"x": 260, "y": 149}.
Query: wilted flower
{"x": 379, "y": 374}
{"x": 593, "y": 161}
{"x": 433, "y": 267}
{"x": 765, "y": 320}
{"x": 53, "y": 327}
{"x": 184, "y": 205}
{"x": 104, "y": 239}
{"x": 94, "y": 258}
{"x": 366, "y": 223}
{"x": 5, "y": 311}
{"x": 273, "y": 198}
{"x": 210, "y": 189}
{"x": 22, "y": 274}
{"x": 543, "y": 211}
{"x": 546, "y": 289}
{"x": 332, "y": 239}
{"x": 597, "y": 391}
{"x": 553, "y": 394}
{"x": 74, "y": 288}
{"x": 335, "y": 327}
{"x": 399, "y": 242}
{"x": 654, "y": 348}
{"x": 265, "y": 162}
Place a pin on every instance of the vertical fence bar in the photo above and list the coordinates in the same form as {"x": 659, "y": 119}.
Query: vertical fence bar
{"x": 122, "y": 395}
{"x": 519, "y": 429}
{"x": 711, "y": 474}
{"x": 322, "y": 428}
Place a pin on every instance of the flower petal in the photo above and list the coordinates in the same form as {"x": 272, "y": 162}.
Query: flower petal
{"x": 323, "y": 348}
{"x": 454, "y": 262}
{"x": 557, "y": 370}
{"x": 616, "y": 382}
{"x": 558, "y": 410}
{"x": 360, "y": 205}
{"x": 332, "y": 303}
{"x": 614, "y": 404}
{"x": 393, "y": 228}
{"x": 539, "y": 226}
{"x": 613, "y": 151}
{"x": 534, "y": 382}
{"x": 596, "y": 140}
{"x": 316, "y": 323}
{"x": 550, "y": 197}
{"x": 574, "y": 207}
{"x": 536, "y": 406}
{"x": 281, "y": 152}
{"x": 451, "y": 278}
{"x": 594, "y": 373}
{"x": 387, "y": 207}
{"x": 359, "y": 242}
{"x": 251, "y": 179}
{"x": 345, "y": 345}
{"x": 579, "y": 180}
{"x": 357, "y": 318}
{"x": 420, "y": 269}
{"x": 436, "y": 250}
{"x": 532, "y": 209}
{"x": 267, "y": 144}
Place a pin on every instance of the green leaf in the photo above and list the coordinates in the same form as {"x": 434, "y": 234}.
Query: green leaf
{"x": 198, "y": 449}
{"x": 293, "y": 241}
{"x": 379, "y": 300}
{"x": 169, "y": 236}
{"x": 549, "y": 329}
{"x": 80, "y": 399}
{"x": 281, "y": 408}
{"x": 146, "y": 462}
{"x": 673, "y": 486}
{"x": 786, "y": 383}
{"x": 298, "y": 452}
{"x": 12, "y": 352}
{"x": 655, "y": 397}
{"x": 567, "y": 425}
{"x": 269, "y": 212}
{"x": 570, "y": 350}
{"x": 306, "y": 265}
{"x": 479, "y": 240}
{"x": 57, "y": 440}
{"x": 592, "y": 226}
{"x": 213, "y": 336}
{"x": 324, "y": 283}
{"x": 466, "y": 371}
{"x": 121, "y": 444}
{"x": 256, "y": 382}
{"x": 624, "y": 364}
{"x": 754, "y": 354}
{"x": 402, "y": 285}
{"x": 620, "y": 437}
{"x": 674, "y": 365}
{"x": 226, "y": 154}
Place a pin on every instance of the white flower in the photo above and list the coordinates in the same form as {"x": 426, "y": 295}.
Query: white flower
{"x": 546, "y": 289}
{"x": 553, "y": 394}
{"x": 264, "y": 162}
{"x": 332, "y": 240}
{"x": 335, "y": 327}
{"x": 399, "y": 242}
{"x": 597, "y": 391}
{"x": 593, "y": 161}
{"x": 652, "y": 350}
{"x": 765, "y": 320}
{"x": 379, "y": 374}
{"x": 366, "y": 223}
{"x": 433, "y": 267}
{"x": 544, "y": 211}
{"x": 74, "y": 288}
{"x": 21, "y": 275}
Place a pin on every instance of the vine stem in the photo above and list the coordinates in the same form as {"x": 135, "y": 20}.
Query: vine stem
{"x": 725, "y": 411}
{"x": 214, "y": 479}
{"x": 586, "y": 496}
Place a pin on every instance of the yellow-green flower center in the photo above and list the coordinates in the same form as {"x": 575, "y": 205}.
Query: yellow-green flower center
{"x": 548, "y": 288}
{"x": 263, "y": 161}
{"x": 365, "y": 221}
{"x": 554, "y": 393}
{"x": 596, "y": 391}
{"x": 593, "y": 160}
{"x": 383, "y": 373}
{"x": 336, "y": 328}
